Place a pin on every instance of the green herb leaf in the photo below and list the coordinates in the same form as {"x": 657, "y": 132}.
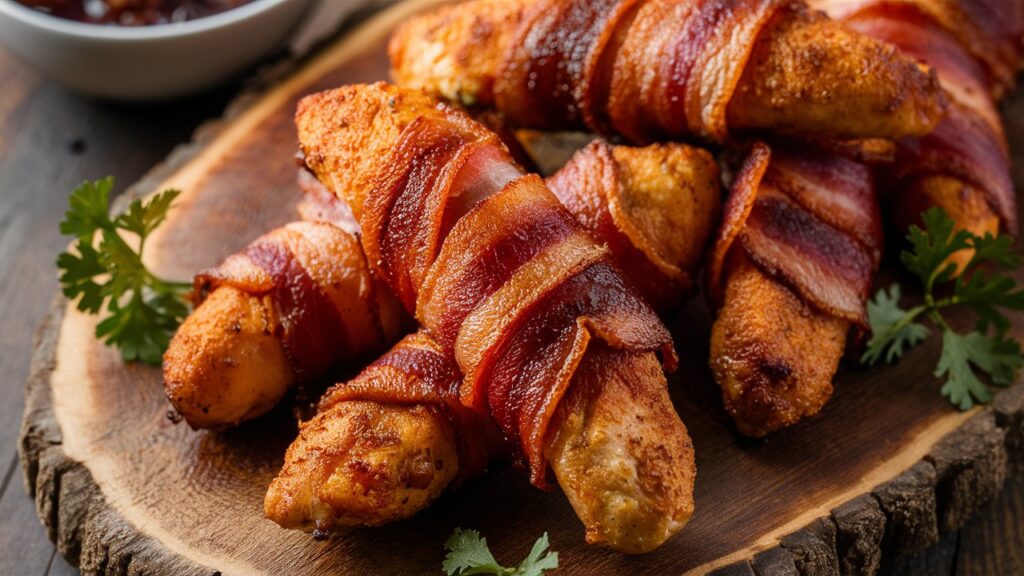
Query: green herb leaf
{"x": 141, "y": 218}
{"x": 893, "y": 327}
{"x": 932, "y": 246}
{"x": 539, "y": 559}
{"x": 983, "y": 287}
{"x": 468, "y": 554}
{"x": 142, "y": 310}
{"x": 87, "y": 209}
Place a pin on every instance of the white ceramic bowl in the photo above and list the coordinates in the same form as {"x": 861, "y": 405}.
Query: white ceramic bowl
{"x": 148, "y": 62}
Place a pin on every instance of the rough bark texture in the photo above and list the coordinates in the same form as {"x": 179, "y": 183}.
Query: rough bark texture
{"x": 1009, "y": 410}
{"x": 970, "y": 467}
{"x": 860, "y": 525}
{"x": 908, "y": 502}
{"x": 814, "y": 548}
{"x": 774, "y": 562}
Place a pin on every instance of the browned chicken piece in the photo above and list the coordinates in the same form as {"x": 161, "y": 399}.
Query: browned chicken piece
{"x": 668, "y": 197}
{"x": 345, "y": 135}
{"x": 804, "y": 73}
{"x": 810, "y": 74}
{"x": 295, "y": 302}
{"x": 369, "y": 463}
{"x": 612, "y": 449}
{"x": 654, "y": 206}
{"x": 381, "y": 447}
{"x": 363, "y": 463}
{"x": 225, "y": 364}
{"x": 773, "y": 355}
{"x": 790, "y": 276}
{"x": 672, "y": 198}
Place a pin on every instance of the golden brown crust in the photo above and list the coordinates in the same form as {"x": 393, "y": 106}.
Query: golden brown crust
{"x": 965, "y": 204}
{"x": 363, "y": 463}
{"x": 225, "y": 363}
{"x": 454, "y": 51}
{"x": 807, "y": 70}
{"x": 348, "y": 130}
{"x": 621, "y": 453}
{"x": 772, "y": 354}
{"x": 671, "y": 196}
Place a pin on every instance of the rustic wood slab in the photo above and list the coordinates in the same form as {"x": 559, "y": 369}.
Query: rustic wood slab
{"x": 883, "y": 470}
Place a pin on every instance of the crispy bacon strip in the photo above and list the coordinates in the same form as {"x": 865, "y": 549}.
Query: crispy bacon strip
{"x": 515, "y": 257}
{"x": 790, "y": 273}
{"x": 302, "y": 294}
{"x": 505, "y": 280}
{"x": 660, "y": 69}
{"x": 324, "y": 309}
{"x": 653, "y": 206}
{"x": 963, "y": 166}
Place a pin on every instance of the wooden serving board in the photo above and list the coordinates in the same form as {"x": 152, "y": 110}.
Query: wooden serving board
{"x": 884, "y": 469}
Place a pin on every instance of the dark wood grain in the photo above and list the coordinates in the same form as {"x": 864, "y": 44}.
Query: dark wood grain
{"x": 860, "y": 526}
{"x": 937, "y": 560}
{"x": 991, "y": 543}
{"x": 822, "y": 457}
{"x": 50, "y": 141}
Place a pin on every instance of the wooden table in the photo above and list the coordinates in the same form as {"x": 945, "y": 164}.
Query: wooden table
{"x": 51, "y": 140}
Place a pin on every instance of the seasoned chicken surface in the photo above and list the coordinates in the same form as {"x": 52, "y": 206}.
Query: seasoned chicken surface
{"x": 810, "y": 74}
{"x": 363, "y": 463}
{"x": 226, "y": 364}
{"x": 621, "y": 454}
{"x": 773, "y": 355}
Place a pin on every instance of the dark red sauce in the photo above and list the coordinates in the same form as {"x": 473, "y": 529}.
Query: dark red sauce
{"x": 132, "y": 12}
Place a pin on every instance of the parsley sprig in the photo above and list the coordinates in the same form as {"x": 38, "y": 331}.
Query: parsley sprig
{"x": 987, "y": 348}
{"x": 105, "y": 270}
{"x": 468, "y": 554}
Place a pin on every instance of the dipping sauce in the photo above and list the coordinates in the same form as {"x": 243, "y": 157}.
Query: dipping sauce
{"x": 132, "y": 12}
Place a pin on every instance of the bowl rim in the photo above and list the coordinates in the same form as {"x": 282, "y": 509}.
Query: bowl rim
{"x": 115, "y": 33}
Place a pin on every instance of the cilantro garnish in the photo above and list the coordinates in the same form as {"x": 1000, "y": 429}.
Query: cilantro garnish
{"x": 105, "y": 271}
{"x": 985, "y": 349}
{"x": 468, "y": 554}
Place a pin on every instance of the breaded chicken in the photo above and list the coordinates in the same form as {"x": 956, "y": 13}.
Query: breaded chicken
{"x": 363, "y": 464}
{"x": 620, "y": 453}
{"x": 773, "y": 355}
{"x": 226, "y": 364}
{"x": 806, "y": 74}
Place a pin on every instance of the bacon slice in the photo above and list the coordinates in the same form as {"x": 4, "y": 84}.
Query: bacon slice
{"x": 325, "y": 304}
{"x": 531, "y": 294}
{"x": 789, "y": 275}
{"x": 809, "y": 219}
{"x": 698, "y": 51}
